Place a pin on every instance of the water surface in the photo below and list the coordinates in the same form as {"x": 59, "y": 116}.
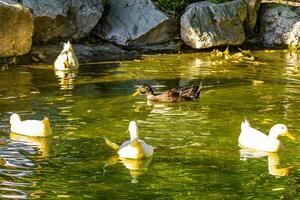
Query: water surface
{"x": 196, "y": 154}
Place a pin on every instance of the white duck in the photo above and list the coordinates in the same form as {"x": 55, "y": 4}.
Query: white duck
{"x": 256, "y": 140}
{"x": 33, "y": 128}
{"x": 133, "y": 148}
{"x": 67, "y": 59}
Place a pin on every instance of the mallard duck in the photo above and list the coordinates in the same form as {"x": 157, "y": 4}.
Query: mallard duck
{"x": 172, "y": 95}
{"x": 34, "y": 128}
{"x": 133, "y": 148}
{"x": 67, "y": 59}
{"x": 254, "y": 139}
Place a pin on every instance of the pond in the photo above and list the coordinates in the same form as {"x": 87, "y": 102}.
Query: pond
{"x": 196, "y": 152}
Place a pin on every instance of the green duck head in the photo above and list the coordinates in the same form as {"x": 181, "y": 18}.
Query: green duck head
{"x": 144, "y": 89}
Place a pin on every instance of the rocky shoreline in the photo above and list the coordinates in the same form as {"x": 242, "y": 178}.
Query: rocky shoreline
{"x": 32, "y": 31}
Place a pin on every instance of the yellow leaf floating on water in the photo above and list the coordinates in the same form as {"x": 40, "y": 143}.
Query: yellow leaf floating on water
{"x": 219, "y": 54}
{"x": 237, "y": 55}
{"x": 242, "y": 56}
{"x": 251, "y": 58}
{"x": 227, "y": 57}
{"x": 226, "y": 52}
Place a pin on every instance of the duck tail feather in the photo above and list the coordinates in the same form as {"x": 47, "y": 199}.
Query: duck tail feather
{"x": 111, "y": 144}
{"x": 197, "y": 94}
{"x": 67, "y": 46}
{"x": 244, "y": 124}
{"x": 48, "y": 130}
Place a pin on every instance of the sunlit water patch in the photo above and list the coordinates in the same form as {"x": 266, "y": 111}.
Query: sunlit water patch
{"x": 196, "y": 155}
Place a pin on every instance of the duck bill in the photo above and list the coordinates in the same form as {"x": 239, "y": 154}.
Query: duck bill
{"x": 290, "y": 136}
{"x": 136, "y": 93}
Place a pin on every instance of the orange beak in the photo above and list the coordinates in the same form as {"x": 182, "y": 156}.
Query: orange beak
{"x": 137, "y": 92}
{"x": 290, "y": 136}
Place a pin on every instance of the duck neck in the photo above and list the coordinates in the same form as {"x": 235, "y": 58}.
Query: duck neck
{"x": 15, "y": 119}
{"x": 133, "y": 135}
{"x": 273, "y": 135}
{"x": 150, "y": 96}
{"x": 150, "y": 93}
{"x": 133, "y": 131}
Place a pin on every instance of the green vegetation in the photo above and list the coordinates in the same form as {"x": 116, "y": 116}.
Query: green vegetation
{"x": 179, "y": 5}
{"x": 170, "y": 5}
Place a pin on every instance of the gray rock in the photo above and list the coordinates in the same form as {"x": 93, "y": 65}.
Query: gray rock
{"x": 87, "y": 15}
{"x": 205, "y": 24}
{"x": 280, "y": 26}
{"x": 57, "y": 19}
{"x": 47, "y": 53}
{"x": 252, "y": 12}
{"x": 104, "y": 52}
{"x": 16, "y": 27}
{"x": 135, "y": 23}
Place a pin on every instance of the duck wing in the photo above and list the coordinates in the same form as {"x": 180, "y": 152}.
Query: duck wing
{"x": 191, "y": 92}
{"x": 126, "y": 143}
{"x": 179, "y": 94}
{"x": 111, "y": 144}
{"x": 168, "y": 96}
{"x": 147, "y": 149}
{"x": 247, "y": 132}
{"x": 254, "y": 139}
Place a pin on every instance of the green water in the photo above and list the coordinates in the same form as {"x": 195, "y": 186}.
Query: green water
{"x": 196, "y": 153}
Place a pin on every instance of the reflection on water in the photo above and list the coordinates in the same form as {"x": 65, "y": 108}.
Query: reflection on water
{"x": 196, "y": 156}
{"x": 66, "y": 79}
{"x": 136, "y": 167}
{"x": 43, "y": 144}
{"x": 274, "y": 165}
{"x": 15, "y": 165}
{"x": 273, "y": 161}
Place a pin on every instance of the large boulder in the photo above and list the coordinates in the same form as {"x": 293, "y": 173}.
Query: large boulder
{"x": 57, "y": 19}
{"x": 16, "y": 27}
{"x": 280, "y": 25}
{"x": 135, "y": 23}
{"x": 47, "y": 53}
{"x": 251, "y": 18}
{"x": 205, "y": 24}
